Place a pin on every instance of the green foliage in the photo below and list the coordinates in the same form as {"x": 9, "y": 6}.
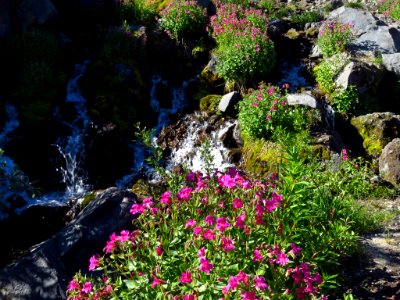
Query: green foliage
{"x": 139, "y": 10}
{"x": 390, "y": 8}
{"x": 210, "y": 103}
{"x": 183, "y": 19}
{"x": 265, "y": 110}
{"x": 333, "y": 37}
{"x": 303, "y": 18}
{"x": 346, "y": 100}
{"x": 87, "y": 199}
{"x": 327, "y": 70}
{"x": 356, "y": 5}
{"x": 244, "y": 50}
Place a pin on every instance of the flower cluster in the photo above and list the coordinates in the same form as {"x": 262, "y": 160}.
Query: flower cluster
{"x": 390, "y": 8}
{"x": 265, "y": 109}
{"x": 216, "y": 237}
{"x": 333, "y": 37}
{"x": 244, "y": 49}
{"x": 182, "y": 19}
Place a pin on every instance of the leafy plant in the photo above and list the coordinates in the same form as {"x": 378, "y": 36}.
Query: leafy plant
{"x": 356, "y": 5}
{"x": 264, "y": 110}
{"x": 390, "y": 8}
{"x": 138, "y": 10}
{"x": 183, "y": 19}
{"x": 306, "y": 17}
{"x": 244, "y": 50}
{"x": 345, "y": 100}
{"x": 327, "y": 70}
{"x": 333, "y": 37}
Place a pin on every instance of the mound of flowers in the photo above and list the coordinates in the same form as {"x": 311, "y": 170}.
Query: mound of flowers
{"x": 220, "y": 236}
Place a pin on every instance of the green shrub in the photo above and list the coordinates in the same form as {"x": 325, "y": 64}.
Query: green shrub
{"x": 210, "y": 103}
{"x": 390, "y": 8}
{"x": 139, "y": 10}
{"x": 244, "y": 50}
{"x": 356, "y": 5}
{"x": 333, "y": 37}
{"x": 327, "y": 70}
{"x": 183, "y": 19}
{"x": 344, "y": 101}
{"x": 303, "y": 18}
{"x": 265, "y": 110}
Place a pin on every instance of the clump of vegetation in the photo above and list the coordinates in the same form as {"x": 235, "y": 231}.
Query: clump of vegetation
{"x": 183, "y": 19}
{"x": 244, "y": 50}
{"x": 300, "y": 20}
{"x": 265, "y": 110}
{"x": 139, "y": 10}
{"x": 390, "y": 8}
{"x": 327, "y": 71}
{"x": 345, "y": 100}
{"x": 334, "y": 37}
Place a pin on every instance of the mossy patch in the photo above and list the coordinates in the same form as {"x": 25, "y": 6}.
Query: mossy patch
{"x": 210, "y": 103}
{"x": 87, "y": 199}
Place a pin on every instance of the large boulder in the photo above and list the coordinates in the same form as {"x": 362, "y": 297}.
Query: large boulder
{"x": 372, "y": 36}
{"x": 45, "y": 272}
{"x": 377, "y": 130}
{"x": 25, "y": 13}
{"x": 392, "y": 63}
{"x": 228, "y": 103}
{"x": 389, "y": 162}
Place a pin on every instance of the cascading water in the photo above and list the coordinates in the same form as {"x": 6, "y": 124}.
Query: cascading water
{"x": 72, "y": 149}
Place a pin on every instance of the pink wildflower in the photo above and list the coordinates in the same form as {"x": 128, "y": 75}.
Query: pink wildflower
{"x": 296, "y": 250}
{"x": 73, "y": 285}
{"x": 87, "y": 287}
{"x": 197, "y": 230}
{"x": 237, "y": 203}
{"x": 281, "y": 259}
{"x": 209, "y": 220}
{"x": 125, "y": 235}
{"x": 137, "y": 209}
{"x": 240, "y": 220}
{"x": 259, "y": 283}
{"x": 201, "y": 253}
{"x": 156, "y": 281}
{"x": 227, "y": 244}
{"x": 94, "y": 262}
{"x": 249, "y": 295}
{"x": 257, "y": 257}
{"x": 186, "y": 277}
{"x": 188, "y": 297}
{"x": 227, "y": 181}
{"x": 190, "y": 223}
{"x": 209, "y": 235}
{"x": 222, "y": 224}
{"x": 166, "y": 198}
{"x": 184, "y": 193}
{"x": 159, "y": 251}
{"x": 205, "y": 265}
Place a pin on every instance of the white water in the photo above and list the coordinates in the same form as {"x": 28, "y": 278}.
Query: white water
{"x": 189, "y": 151}
{"x": 292, "y": 74}
{"x": 72, "y": 149}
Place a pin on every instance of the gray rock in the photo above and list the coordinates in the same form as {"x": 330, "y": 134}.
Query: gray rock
{"x": 389, "y": 162}
{"x": 45, "y": 272}
{"x": 228, "y": 102}
{"x": 371, "y": 35}
{"x": 302, "y": 99}
{"x": 392, "y": 62}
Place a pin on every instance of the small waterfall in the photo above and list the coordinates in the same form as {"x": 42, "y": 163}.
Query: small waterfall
{"x": 11, "y": 124}
{"x": 72, "y": 149}
{"x": 293, "y": 74}
{"x": 140, "y": 152}
{"x": 198, "y": 132}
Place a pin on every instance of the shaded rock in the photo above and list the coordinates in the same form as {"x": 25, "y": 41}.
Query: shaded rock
{"x": 45, "y": 272}
{"x": 326, "y": 143}
{"x": 377, "y": 130}
{"x": 392, "y": 62}
{"x": 228, "y": 102}
{"x": 209, "y": 73}
{"x": 231, "y": 137}
{"x": 276, "y": 29}
{"x": 372, "y": 35}
{"x": 389, "y": 162}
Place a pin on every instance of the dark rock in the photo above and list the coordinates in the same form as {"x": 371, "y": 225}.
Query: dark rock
{"x": 228, "y": 103}
{"x": 276, "y": 29}
{"x": 45, "y": 272}
{"x": 389, "y": 162}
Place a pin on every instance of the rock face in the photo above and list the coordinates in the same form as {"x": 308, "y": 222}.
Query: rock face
{"x": 45, "y": 272}
{"x": 302, "y": 99}
{"x": 389, "y": 162}
{"x": 228, "y": 102}
{"x": 392, "y": 62}
{"x": 377, "y": 130}
{"x": 25, "y": 13}
{"x": 371, "y": 35}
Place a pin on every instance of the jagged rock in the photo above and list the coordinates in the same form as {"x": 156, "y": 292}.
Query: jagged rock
{"x": 230, "y": 136}
{"x": 392, "y": 62}
{"x": 377, "y": 130}
{"x": 389, "y": 162}
{"x": 228, "y": 102}
{"x": 366, "y": 77}
{"x": 45, "y": 272}
{"x": 302, "y": 99}
{"x": 371, "y": 35}
{"x": 209, "y": 73}
{"x": 25, "y": 13}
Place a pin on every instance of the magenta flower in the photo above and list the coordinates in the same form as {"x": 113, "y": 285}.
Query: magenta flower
{"x": 240, "y": 220}
{"x": 125, "y": 235}
{"x": 184, "y": 193}
{"x": 186, "y": 277}
{"x": 249, "y": 295}
{"x": 190, "y": 223}
{"x": 188, "y": 297}
{"x": 166, "y": 198}
{"x": 296, "y": 250}
{"x": 94, "y": 262}
{"x": 227, "y": 181}
{"x": 156, "y": 281}
{"x": 87, "y": 287}
{"x": 73, "y": 285}
{"x": 237, "y": 203}
{"x": 227, "y": 244}
{"x": 109, "y": 289}
{"x": 137, "y": 209}
{"x": 209, "y": 235}
{"x": 201, "y": 253}
{"x": 209, "y": 220}
{"x": 281, "y": 259}
{"x": 159, "y": 251}
{"x": 197, "y": 230}
{"x": 257, "y": 257}
{"x": 205, "y": 265}
{"x": 259, "y": 283}
{"x": 222, "y": 224}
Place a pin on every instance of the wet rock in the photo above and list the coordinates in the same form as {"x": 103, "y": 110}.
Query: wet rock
{"x": 389, "y": 162}
{"x": 228, "y": 103}
{"x": 392, "y": 62}
{"x": 45, "y": 272}
{"x": 377, "y": 130}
